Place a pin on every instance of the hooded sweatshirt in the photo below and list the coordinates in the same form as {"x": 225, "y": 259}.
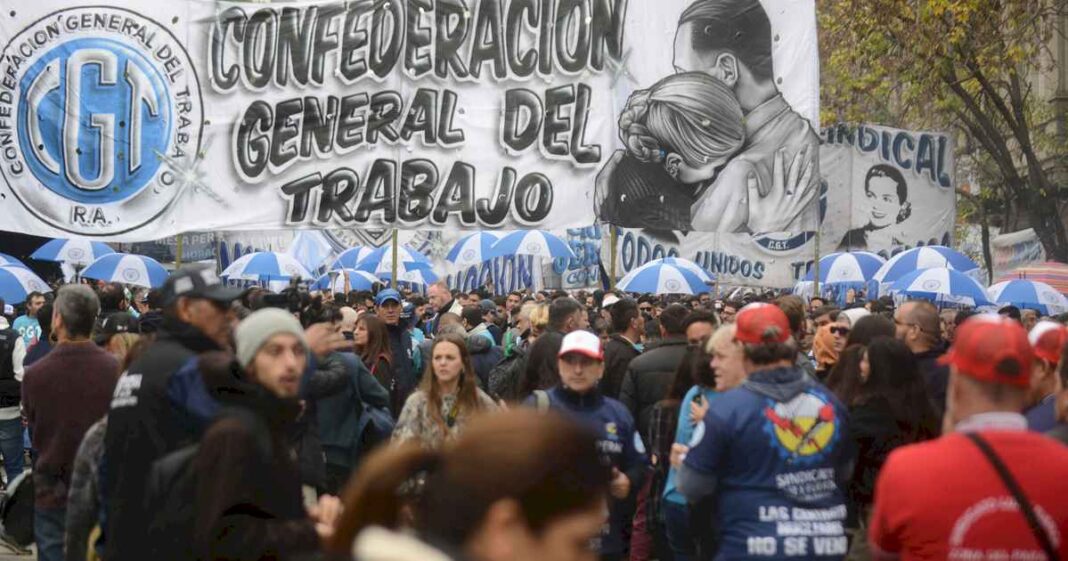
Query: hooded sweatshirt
{"x": 773, "y": 454}
{"x": 484, "y": 356}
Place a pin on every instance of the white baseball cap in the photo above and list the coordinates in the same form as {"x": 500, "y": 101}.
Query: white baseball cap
{"x": 609, "y": 299}
{"x": 581, "y": 342}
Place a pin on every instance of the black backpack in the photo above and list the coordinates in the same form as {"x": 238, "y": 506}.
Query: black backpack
{"x": 506, "y": 377}
{"x": 171, "y": 494}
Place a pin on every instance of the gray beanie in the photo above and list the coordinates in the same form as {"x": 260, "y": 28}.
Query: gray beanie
{"x": 260, "y": 326}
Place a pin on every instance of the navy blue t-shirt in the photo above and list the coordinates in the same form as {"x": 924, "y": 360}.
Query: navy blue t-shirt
{"x": 776, "y": 459}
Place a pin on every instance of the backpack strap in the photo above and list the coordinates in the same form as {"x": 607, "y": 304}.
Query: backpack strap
{"x": 541, "y": 400}
{"x": 1026, "y": 508}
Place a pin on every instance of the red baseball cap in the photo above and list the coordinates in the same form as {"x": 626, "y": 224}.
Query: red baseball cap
{"x": 761, "y": 323}
{"x": 992, "y": 349}
{"x": 1048, "y": 338}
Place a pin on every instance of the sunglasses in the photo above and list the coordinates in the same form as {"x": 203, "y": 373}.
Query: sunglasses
{"x": 648, "y": 309}
{"x": 838, "y": 330}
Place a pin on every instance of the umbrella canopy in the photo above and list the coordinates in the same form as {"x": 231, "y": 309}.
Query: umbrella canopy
{"x": 381, "y": 261}
{"x": 1052, "y": 273}
{"x": 694, "y": 268}
{"x": 75, "y": 251}
{"x": 358, "y": 280}
{"x": 266, "y": 266}
{"x": 6, "y": 259}
{"x": 424, "y": 277}
{"x": 923, "y": 258}
{"x": 349, "y": 258}
{"x": 942, "y": 285}
{"x": 127, "y": 269}
{"x": 657, "y": 277}
{"x": 847, "y": 269}
{"x": 473, "y": 249}
{"x": 532, "y": 242}
{"x": 16, "y": 282}
{"x": 1029, "y": 294}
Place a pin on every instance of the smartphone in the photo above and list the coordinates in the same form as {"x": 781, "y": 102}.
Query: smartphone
{"x": 698, "y": 400}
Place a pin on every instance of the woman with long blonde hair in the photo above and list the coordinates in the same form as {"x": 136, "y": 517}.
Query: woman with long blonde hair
{"x": 447, "y": 397}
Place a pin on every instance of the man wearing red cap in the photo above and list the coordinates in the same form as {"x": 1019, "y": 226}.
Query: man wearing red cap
{"x": 988, "y": 489}
{"x": 772, "y": 453}
{"x": 1047, "y": 338}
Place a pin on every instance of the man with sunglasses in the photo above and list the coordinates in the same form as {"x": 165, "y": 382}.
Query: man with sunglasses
{"x": 917, "y": 325}
{"x": 142, "y": 426}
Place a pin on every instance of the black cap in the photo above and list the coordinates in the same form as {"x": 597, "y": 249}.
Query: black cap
{"x": 113, "y": 324}
{"x": 199, "y": 282}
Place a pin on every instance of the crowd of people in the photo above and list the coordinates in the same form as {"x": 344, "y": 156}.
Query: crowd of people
{"x": 203, "y": 421}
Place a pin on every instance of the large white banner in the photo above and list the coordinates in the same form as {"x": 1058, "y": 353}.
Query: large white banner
{"x": 140, "y": 119}
{"x": 882, "y": 190}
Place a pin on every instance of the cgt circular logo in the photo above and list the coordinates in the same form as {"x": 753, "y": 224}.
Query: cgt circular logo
{"x": 105, "y": 108}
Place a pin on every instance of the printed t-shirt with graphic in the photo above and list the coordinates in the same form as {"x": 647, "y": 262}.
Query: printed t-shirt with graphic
{"x": 775, "y": 448}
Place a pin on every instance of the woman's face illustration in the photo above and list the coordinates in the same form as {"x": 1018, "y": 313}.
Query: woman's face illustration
{"x": 885, "y": 205}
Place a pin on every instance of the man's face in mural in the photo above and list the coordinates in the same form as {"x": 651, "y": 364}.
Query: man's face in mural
{"x": 885, "y": 205}
{"x": 723, "y": 66}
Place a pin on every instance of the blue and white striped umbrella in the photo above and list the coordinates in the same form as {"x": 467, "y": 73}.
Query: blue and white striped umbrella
{"x": 381, "y": 260}
{"x": 358, "y": 280}
{"x": 127, "y": 269}
{"x": 6, "y": 259}
{"x": 538, "y": 243}
{"x": 16, "y": 282}
{"x": 847, "y": 269}
{"x": 473, "y": 249}
{"x": 657, "y": 277}
{"x": 694, "y": 268}
{"x": 266, "y": 266}
{"x": 923, "y": 258}
{"x": 943, "y": 286}
{"x": 1031, "y": 295}
{"x": 349, "y": 258}
{"x": 75, "y": 251}
{"x": 424, "y": 277}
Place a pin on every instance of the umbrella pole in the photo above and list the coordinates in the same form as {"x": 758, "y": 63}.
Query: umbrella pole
{"x": 816, "y": 268}
{"x": 393, "y": 277}
{"x": 613, "y": 240}
{"x": 178, "y": 252}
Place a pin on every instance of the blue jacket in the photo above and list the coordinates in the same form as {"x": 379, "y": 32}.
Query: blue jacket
{"x": 683, "y": 434}
{"x": 774, "y": 456}
{"x": 618, "y": 440}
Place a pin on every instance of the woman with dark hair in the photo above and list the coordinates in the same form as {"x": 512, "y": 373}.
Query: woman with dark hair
{"x": 489, "y": 496}
{"x": 887, "y": 196}
{"x": 844, "y": 379}
{"x": 447, "y": 397}
{"x": 892, "y": 408}
{"x": 370, "y": 338}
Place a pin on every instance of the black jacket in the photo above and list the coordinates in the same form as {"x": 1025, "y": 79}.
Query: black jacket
{"x": 618, "y": 352}
{"x": 875, "y": 433}
{"x": 248, "y": 493}
{"x": 649, "y": 377}
{"x": 142, "y": 428}
{"x": 400, "y": 343}
{"x": 484, "y": 356}
{"x": 935, "y": 375}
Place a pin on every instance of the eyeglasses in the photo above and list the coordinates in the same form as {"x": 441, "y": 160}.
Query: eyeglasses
{"x": 840, "y": 330}
{"x": 646, "y": 308}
